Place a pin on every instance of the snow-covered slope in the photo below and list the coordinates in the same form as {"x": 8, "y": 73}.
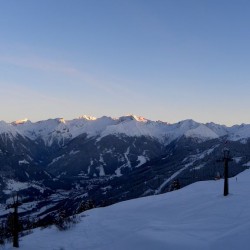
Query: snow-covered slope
{"x": 220, "y": 130}
{"x": 239, "y": 132}
{"x": 7, "y": 129}
{"x": 193, "y": 218}
{"x": 201, "y": 132}
{"x": 60, "y": 130}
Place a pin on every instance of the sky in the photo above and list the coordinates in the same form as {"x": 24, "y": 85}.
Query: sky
{"x": 166, "y": 60}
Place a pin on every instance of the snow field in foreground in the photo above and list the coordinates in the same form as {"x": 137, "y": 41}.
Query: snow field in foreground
{"x": 195, "y": 217}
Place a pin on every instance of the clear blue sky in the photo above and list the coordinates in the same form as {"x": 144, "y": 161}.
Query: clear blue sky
{"x": 166, "y": 60}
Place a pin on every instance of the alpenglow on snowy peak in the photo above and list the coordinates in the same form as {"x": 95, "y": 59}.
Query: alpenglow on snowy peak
{"x": 130, "y": 125}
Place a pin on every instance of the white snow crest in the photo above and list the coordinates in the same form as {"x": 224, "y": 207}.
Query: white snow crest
{"x": 21, "y": 121}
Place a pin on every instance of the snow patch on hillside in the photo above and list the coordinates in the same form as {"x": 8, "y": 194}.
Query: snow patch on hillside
{"x": 23, "y": 162}
{"x": 142, "y": 159}
{"x": 247, "y": 164}
{"x": 55, "y": 160}
{"x": 101, "y": 171}
{"x": 126, "y": 154}
{"x": 237, "y": 159}
{"x": 13, "y": 186}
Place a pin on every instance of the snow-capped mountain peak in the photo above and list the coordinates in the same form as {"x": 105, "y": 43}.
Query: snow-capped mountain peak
{"x": 20, "y": 121}
{"x": 89, "y": 118}
{"x": 188, "y": 124}
{"x": 9, "y": 129}
{"x": 132, "y": 118}
{"x": 61, "y": 120}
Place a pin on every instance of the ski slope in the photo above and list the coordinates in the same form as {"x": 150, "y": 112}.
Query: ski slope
{"x": 193, "y": 218}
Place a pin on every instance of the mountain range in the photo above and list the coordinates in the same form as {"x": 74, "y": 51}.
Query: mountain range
{"x": 60, "y": 164}
{"x": 61, "y": 131}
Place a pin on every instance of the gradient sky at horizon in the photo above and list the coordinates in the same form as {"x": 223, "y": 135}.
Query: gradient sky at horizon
{"x": 165, "y": 60}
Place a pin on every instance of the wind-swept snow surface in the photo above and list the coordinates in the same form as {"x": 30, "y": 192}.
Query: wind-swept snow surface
{"x": 193, "y": 218}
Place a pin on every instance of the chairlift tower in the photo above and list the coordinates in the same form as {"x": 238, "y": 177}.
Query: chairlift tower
{"x": 15, "y": 229}
{"x": 226, "y": 158}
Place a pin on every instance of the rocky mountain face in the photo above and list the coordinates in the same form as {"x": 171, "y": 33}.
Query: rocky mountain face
{"x": 57, "y": 164}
